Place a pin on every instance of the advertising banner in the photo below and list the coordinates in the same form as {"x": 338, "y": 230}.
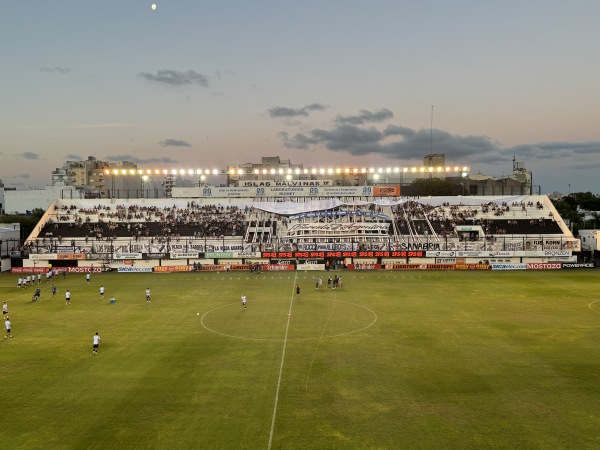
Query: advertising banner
{"x": 81, "y": 269}
{"x": 120, "y": 255}
{"x": 589, "y": 265}
{"x": 70, "y": 256}
{"x": 168, "y": 269}
{"x": 134, "y": 269}
{"x": 277, "y": 267}
{"x": 472, "y": 267}
{"x": 310, "y": 267}
{"x": 509, "y": 266}
{"x": 544, "y": 266}
{"x": 184, "y": 255}
{"x": 419, "y": 266}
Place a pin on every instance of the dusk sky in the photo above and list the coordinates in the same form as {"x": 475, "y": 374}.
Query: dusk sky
{"x": 329, "y": 83}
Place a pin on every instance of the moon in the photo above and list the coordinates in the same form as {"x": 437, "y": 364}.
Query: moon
{"x": 153, "y": 7}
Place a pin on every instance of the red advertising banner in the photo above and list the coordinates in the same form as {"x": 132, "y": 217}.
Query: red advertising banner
{"x": 345, "y": 254}
{"x": 29, "y": 270}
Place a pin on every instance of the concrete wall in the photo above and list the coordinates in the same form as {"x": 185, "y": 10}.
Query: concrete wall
{"x": 19, "y": 202}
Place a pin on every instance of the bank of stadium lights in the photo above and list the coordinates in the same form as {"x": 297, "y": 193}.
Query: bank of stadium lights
{"x": 288, "y": 172}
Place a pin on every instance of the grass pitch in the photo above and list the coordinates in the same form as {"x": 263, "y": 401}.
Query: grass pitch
{"x": 392, "y": 360}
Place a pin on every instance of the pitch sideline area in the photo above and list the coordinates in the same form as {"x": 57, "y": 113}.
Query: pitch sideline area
{"x": 411, "y": 360}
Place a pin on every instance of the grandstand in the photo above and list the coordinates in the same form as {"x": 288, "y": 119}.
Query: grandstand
{"x": 343, "y": 230}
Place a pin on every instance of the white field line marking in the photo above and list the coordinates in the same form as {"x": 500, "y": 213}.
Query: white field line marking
{"x": 287, "y": 327}
{"x": 579, "y": 293}
{"x": 319, "y": 343}
{"x": 294, "y": 339}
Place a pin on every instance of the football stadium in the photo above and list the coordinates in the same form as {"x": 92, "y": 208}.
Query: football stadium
{"x": 301, "y": 315}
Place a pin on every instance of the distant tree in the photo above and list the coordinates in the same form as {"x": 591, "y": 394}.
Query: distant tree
{"x": 570, "y": 206}
{"x": 431, "y": 186}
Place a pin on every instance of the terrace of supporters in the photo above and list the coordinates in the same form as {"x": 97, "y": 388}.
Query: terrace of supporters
{"x": 86, "y": 224}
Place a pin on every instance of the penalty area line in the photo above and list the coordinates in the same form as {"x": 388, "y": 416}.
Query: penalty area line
{"x": 287, "y": 327}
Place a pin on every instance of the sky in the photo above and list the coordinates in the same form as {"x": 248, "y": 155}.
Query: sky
{"x": 328, "y": 83}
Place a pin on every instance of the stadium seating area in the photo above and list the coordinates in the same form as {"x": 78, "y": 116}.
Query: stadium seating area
{"x": 83, "y": 224}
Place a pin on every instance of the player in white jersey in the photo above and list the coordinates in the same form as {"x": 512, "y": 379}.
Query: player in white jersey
{"x": 96, "y": 342}
{"x": 19, "y": 283}
{"x": 87, "y": 278}
{"x": 68, "y": 297}
{"x": 101, "y": 292}
{"x": 244, "y": 301}
{"x": 148, "y": 295}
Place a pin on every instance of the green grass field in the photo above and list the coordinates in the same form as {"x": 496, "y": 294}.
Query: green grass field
{"x": 393, "y": 360}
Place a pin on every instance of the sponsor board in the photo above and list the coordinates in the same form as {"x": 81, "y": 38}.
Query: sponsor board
{"x": 44, "y": 256}
{"x": 474, "y": 254}
{"x": 544, "y": 266}
{"x": 509, "y": 266}
{"x": 218, "y": 255}
{"x": 134, "y": 269}
{"x": 223, "y": 267}
{"x": 440, "y": 254}
{"x": 184, "y": 255}
{"x": 97, "y": 256}
{"x": 166, "y": 269}
{"x": 445, "y": 260}
{"x": 472, "y": 267}
{"x": 277, "y": 267}
{"x": 81, "y": 269}
{"x": 311, "y": 266}
{"x": 29, "y": 270}
{"x": 120, "y": 255}
{"x": 420, "y": 266}
{"x": 589, "y": 265}
{"x": 157, "y": 255}
{"x": 70, "y": 256}
{"x": 245, "y": 255}
{"x": 557, "y": 253}
{"x": 368, "y": 266}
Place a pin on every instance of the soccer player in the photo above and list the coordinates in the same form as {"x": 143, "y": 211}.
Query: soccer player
{"x": 87, "y": 278}
{"x": 53, "y": 291}
{"x": 4, "y": 309}
{"x": 7, "y": 326}
{"x": 68, "y": 297}
{"x": 244, "y": 301}
{"x": 19, "y": 283}
{"x": 148, "y": 295}
{"x": 101, "y": 292}
{"x": 96, "y": 341}
{"x": 298, "y": 290}
{"x": 40, "y": 278}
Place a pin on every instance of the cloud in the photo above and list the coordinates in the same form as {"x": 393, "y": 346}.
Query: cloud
{"x": 133, "y": 158}
{"x": 176, "y": 78}
{"x": 283, "y": 111}
{"x": 103, "y": 125}
{"x": 56, "y": 69}
{"x": 72, "y": 157}
{"x": 21, "y": 176}
{"x": 365, "y": 116}
{"x": 403, "y": 143}
{"x": 174, "y": 143}
{"x": 28, "y": 155}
